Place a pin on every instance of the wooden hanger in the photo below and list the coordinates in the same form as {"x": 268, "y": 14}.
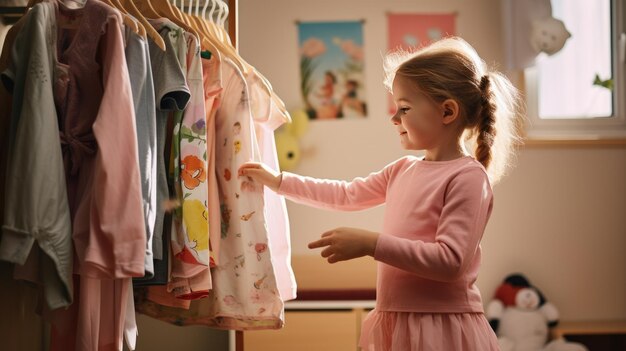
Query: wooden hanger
{"x": 216, "y": 34}
{"x": 134, "y": 11}
{"x": 127, "y": 19}
{"x": 207, "y": 39}
{"x": 249, "y": 69}
{"x": 224, "y": 47}
{"x": 180, "y": 12}
{"x": 146, "y": 8}
{"x": 165, "y": 9}
{"x": 212, "y": 37}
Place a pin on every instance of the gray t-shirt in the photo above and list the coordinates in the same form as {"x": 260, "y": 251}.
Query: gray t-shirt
{"x": 37, "y": 207}
{"x": 140, "y": 73}
{"x": 171, "y": 94}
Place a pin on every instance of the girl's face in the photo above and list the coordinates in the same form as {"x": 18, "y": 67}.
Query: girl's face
{"x": 419, "y": 121}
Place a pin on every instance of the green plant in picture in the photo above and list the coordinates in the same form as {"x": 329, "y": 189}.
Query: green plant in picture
{"x": 607, "y": 83}
{"x": 307, "y": 66}
{"x": 310, "y": 50}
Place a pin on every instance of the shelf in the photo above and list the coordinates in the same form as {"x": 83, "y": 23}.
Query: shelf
{"x": 12, "y": 10}
{"x": 329, "y": 305}
{"x": 590, "y": 328}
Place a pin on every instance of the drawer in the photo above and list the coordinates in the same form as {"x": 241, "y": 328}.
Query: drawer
{"x": 309, "y": 330}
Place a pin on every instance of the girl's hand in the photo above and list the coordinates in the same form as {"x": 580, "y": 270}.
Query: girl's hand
{"x": 262, "y": 174}
{"x": 344, "y": 244}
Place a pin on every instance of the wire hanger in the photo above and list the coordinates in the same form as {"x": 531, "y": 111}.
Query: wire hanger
{"x": 204, "y": 36}
{"x": 207, "y": 39}
{"x": 221, "y": 21}
{"x": 193, "y": 20}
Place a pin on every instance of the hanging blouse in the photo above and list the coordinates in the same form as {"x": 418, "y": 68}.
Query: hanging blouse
{"x": 93, "y": 99}
{"x": 245, "y": 295}
{"x": 190, "y": 277}
{"x": 171, "y": 94}
{"x": 186, "y": 312}
{"x": 99, "y": 142}
{"x": 141, "y": 81}
{"x": 268, "y": 117}
{"x": 35, "y": 181}
{"x": 212, "y": 80}
{"x": 140, "y": 74}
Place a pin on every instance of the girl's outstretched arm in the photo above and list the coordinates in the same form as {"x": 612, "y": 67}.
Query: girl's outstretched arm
{"x": 358, "y": 194}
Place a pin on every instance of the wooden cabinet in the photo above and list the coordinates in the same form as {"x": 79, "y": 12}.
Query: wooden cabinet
{"x": 312, "y": 326}
{"x": 596, "y": 335}
{"x": 21, "y": 328}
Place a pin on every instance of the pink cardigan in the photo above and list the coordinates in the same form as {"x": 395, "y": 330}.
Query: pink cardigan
{"x": 429, "y": 249}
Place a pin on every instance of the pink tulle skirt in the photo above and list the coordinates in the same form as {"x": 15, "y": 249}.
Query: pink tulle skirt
{"x": 404, "y": 331}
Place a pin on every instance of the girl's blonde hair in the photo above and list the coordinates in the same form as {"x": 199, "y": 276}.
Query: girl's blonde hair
{"x": 489, "y": 104}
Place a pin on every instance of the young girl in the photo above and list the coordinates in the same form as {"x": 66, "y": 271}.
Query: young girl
{"x": 436, "y": 206}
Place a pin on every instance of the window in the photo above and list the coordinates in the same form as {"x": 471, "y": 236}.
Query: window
{"x": 578, "y": 93}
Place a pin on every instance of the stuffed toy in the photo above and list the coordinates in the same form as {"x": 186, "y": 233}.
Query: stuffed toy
{"x": 287, "y": 140}
{"x": 522, "y": 318}
{"x": 529, "y": 29}
{"x": 548, "y": 35}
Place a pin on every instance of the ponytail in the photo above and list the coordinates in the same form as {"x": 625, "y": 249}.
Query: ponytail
{"x": 487, "y": 123}
{"x": 497, "y": 129}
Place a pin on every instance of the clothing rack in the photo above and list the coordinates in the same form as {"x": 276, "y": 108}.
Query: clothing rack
{"x": 13, "y": 13}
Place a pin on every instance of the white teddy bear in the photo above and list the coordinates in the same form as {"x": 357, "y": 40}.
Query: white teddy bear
{"x": 529, "y": 29}
{"x": 548, "y": 35}
{"x": 521, "y": 318}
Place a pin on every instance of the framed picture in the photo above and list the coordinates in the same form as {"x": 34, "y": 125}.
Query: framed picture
{"x": 331, "y": 67}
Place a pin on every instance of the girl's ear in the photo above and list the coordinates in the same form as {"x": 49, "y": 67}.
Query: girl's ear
{"x": 450, "y": 110}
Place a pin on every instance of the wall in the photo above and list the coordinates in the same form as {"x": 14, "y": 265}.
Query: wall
{"x": 558, "y": 216}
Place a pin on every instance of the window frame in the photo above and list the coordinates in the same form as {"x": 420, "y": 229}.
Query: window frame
{"x": 580, "y": 129}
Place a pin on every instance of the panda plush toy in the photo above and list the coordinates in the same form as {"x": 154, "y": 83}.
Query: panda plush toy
{"x": 522, "y": 318}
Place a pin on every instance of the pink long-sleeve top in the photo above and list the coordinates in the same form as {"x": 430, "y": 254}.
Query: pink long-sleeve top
{"x": 429, "y": 249}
